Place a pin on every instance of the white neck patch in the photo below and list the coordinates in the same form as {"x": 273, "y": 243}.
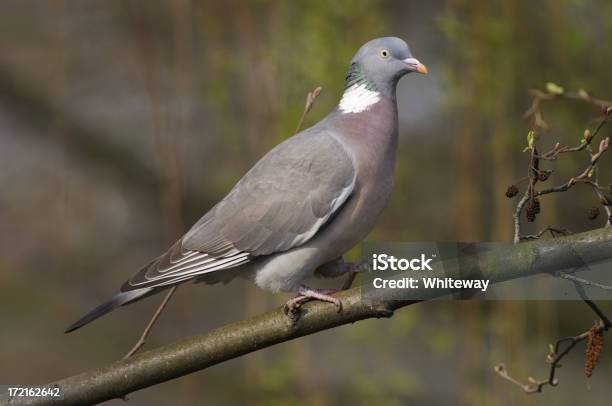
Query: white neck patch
{"x": 358, "y": 98}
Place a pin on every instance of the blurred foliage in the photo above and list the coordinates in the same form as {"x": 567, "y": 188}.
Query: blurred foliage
{"x": 189, "y": 94}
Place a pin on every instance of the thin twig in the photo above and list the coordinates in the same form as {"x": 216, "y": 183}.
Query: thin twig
{"x": 587, "y": 140}
{"x": 535, "y": 113}
{"x": 531, "y": 387}
{"x": 554, "y": 358}
{"x": 553, "y": 233}
{"x": 586, "y": 282}
{"x": 597, "y": 190}
{"x": 583, "y": 177}
{"x": 602, "y": 316}
{"x": 141, "y": 341}
{"x": 555, "y": 353}
{"x": 605, "y": 202}
{"x": 310, "y": 99}
{"x": 526, "y": 196}
{"x": 517, "y": 216}
{"x": 606, "y": 323}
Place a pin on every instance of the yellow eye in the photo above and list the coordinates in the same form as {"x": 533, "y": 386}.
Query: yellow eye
{"x": 384, "y": 53}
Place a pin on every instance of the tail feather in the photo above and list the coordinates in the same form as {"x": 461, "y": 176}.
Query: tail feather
{"x": 116, "y": 301}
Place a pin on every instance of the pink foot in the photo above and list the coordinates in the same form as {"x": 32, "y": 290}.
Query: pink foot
{"x": 306, "y": 294}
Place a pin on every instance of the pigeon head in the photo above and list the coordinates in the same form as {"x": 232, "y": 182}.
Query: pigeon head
{"x": 376, "y": 68}
{"x": 385, "y": 60}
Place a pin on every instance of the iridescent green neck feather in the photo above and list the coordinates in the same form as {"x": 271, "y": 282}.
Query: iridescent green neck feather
{"x": 356, "y": 76}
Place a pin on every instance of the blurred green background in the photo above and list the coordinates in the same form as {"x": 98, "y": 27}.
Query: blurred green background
{"x": 121, "y": 122}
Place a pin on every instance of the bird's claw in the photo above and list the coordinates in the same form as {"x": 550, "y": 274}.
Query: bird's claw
{"x": 335, "y": 301}
{"x": 293, "y": 305}
{"x": 306, "y": 294}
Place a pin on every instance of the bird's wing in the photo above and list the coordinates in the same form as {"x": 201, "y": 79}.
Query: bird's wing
{"x": 279, "y": 204}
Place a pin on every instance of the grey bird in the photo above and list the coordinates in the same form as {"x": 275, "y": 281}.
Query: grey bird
{"x": 304, "y": 204}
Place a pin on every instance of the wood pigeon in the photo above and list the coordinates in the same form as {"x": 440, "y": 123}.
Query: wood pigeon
{"x": 304, "y": 204}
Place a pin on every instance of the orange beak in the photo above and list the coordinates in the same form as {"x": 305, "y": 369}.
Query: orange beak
{"x": 415, "y": 65}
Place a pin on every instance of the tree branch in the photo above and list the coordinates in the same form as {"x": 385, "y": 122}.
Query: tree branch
{"x": 234, "y": 340}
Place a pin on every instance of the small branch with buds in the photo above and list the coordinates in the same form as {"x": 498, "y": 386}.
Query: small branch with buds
{"x": 584, "y": 177}
{"x": 555, "y": 92}
{"x": 530, "y": 201}
{"x": 563, "y": 346}
{"x": 531, "y": 204}
{"x": 554, "y": 232}
{"x": 594, "y": 347}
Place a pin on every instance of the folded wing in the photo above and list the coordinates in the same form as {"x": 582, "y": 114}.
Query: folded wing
{"x": 281, "y": 203}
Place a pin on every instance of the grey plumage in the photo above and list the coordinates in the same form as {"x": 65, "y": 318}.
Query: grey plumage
{"x": 305, "y": 203}
{"x": 119, "y": 299}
